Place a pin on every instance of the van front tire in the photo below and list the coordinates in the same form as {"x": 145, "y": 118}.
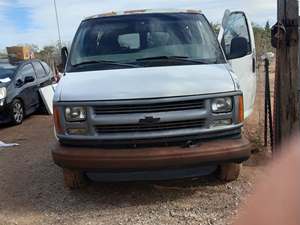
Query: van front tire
{"x": 229, "y": 172}
{"x": 74, "y": 179}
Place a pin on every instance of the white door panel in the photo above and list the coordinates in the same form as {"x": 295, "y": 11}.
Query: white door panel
{"x": 247, "y": 81}
{"x": 237, "y": 39}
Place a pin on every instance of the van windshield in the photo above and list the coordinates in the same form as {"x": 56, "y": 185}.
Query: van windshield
{"x": 144, "y": 40}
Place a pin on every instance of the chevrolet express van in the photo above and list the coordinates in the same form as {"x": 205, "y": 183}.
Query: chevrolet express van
{"x": 155, "y": 94}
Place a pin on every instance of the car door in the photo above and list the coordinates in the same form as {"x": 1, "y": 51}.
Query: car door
{"x": 43, "y": 77}
{"x": 27, "y": 90}
{"x": 237, "y": 31}
{"x": 50, "y": 75}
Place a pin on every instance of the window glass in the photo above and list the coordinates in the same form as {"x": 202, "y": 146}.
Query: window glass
{"x": 46, "y": 67}
{"x": 7, "y": 71}
{"x": 236, "y": 27}
{"x": 129, "y": 39}
{"x": 155, "y": 39}
{"x": 26, "y": 71}
{"x": 39, "y": 70}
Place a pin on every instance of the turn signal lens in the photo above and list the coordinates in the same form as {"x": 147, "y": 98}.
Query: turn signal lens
{"x": 77, "y": 131}
{"x": 241, "y": 109}
{"x": 57, "y": 122}
{"x": 222, "y": 123}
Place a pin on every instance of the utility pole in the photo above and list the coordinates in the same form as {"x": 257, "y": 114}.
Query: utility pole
{"x": 58, "y": 25}
{"x": 287, "y": 72}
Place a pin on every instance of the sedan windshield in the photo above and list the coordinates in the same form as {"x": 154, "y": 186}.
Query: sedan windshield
{"x": 6, "y": 71}
{"x": 144, "y": 40}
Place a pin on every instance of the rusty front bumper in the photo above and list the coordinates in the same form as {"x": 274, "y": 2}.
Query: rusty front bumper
{"x": 94, "y": 159}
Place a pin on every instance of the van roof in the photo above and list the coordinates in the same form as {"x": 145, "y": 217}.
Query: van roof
{"x": 143, "y": 11}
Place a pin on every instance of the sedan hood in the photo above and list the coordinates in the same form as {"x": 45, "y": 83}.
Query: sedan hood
{"x": 5, "y": 82}
{"x": 141, "y": 83}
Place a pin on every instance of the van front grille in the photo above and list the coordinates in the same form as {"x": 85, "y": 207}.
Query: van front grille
{"x": 151, "y": 107}
{"x": 164, "y": 126}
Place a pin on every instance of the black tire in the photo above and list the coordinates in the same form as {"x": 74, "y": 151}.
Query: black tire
{"x": 229, "y": 172}
{"x": 17, "y": 112}
{"x": 74, "y": 179}
{"x": 42, "y": 110}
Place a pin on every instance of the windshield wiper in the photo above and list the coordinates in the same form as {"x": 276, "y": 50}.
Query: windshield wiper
{"x": 178, "y": 58}
{"x": 105, "y": 63}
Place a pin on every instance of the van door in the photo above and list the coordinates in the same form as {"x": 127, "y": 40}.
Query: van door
{"x": 237, "y": 39}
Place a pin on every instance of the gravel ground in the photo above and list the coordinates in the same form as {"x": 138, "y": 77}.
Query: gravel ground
{"x": 32, "y": 190}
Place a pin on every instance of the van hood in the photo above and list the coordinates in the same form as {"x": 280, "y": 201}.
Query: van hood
{"x": 141, "y": 83}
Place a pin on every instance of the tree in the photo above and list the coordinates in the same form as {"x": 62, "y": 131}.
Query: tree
{"x": 262, "y": 38}
{"x": 216, "y": 27}
{"x": 35, "y": 48}
{"x": 3, "y": 54}
{"x": 267, "y": 27}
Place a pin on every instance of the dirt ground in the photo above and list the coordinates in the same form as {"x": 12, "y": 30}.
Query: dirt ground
{"x": 32, "y": 191}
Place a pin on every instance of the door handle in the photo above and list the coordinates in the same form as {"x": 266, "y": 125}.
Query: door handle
{"x": 253, "y": 65}
{"x": 19, "y": 83}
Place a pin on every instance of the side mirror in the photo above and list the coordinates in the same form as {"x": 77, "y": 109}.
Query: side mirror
{"x": 19, "y": 83}
{"x": 29, "y": 79}
{"x": 239, "y": 48}
{"x": 64, "y": 56}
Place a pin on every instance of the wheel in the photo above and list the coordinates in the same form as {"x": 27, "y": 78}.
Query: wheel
{"x": 74, "y": 179}
{"x": 17, "y": 112}
{"x": 229, "y": 172}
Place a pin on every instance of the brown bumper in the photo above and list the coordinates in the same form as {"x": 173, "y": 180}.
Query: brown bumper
{"x": 93, "y": 159}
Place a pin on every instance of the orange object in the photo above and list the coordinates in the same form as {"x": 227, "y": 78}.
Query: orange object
{"x": 19, "y": 53}
{"x": 241, "y": 109}
{"x": 135, "y": 11}
{"x": 57, "y": 122}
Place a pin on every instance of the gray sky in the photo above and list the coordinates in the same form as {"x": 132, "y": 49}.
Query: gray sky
{"x": 33, "y": 21}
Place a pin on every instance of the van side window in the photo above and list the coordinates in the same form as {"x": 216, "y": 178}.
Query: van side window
{"x": 236, "y": 28}
{"x": 40, "y": 72}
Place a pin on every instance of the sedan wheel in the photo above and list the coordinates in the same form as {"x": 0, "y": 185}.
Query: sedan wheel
{"x": 17, "y": 112}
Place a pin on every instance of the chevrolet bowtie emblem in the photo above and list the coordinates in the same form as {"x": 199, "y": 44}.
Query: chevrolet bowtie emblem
{"x": 149, "y": 120}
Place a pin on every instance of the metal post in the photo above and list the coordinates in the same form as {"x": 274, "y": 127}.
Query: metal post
{"x": 268, "y": 106}
{"x": 57, "y": 23}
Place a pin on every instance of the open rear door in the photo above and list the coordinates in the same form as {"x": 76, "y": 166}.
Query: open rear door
{"x": 237, "y": 39}
{"x": 47, "y": 94}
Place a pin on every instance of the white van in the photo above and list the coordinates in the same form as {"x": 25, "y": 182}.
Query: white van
{"x": 153, "y": 94}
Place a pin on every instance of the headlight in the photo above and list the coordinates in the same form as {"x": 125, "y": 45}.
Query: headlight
{"x": 75, "y": 114}
{"x": 222, "y": 105}
{"x": 2, "y": 101}
{"x": 3, "y": 93}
